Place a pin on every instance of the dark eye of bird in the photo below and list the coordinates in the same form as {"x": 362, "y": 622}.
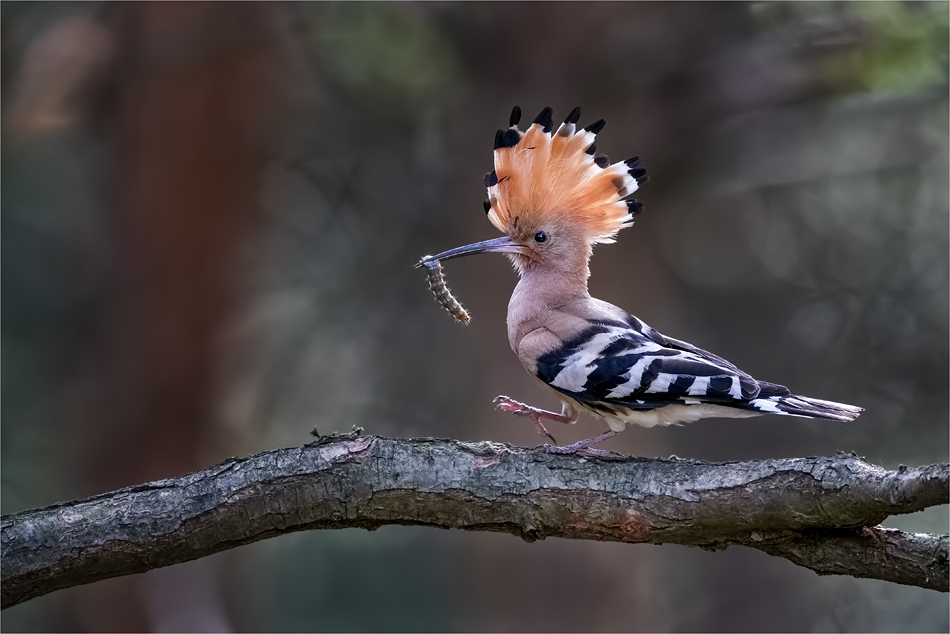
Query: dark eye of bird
{"x": 540, "y": 237}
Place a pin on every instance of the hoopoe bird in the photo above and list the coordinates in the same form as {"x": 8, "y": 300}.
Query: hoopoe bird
{"x": 555, "y": 198}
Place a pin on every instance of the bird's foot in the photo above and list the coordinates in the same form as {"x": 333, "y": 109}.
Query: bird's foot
{"x": 512, "y": 406}
{"x": 585, "y": 446}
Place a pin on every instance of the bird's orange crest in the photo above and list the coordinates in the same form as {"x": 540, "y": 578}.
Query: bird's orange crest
{"x": 543, "y": 174}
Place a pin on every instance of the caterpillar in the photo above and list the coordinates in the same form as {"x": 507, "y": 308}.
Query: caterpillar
{"x": 441, "y": 290}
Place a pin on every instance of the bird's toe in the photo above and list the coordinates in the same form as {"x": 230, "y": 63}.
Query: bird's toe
{"x": 509, "y": 405}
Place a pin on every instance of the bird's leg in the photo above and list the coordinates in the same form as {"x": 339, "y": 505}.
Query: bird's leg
{"x": 512, "y": 406}
{"x": 585, "y": 446}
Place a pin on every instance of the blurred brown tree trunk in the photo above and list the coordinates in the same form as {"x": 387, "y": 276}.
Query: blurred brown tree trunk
{"x": 196, "y": 94}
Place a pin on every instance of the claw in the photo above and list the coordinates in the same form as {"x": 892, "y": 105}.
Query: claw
{"x": 512, "y": 406}
{"x": 542, "y": 430}
{"x": 585, "y": 446}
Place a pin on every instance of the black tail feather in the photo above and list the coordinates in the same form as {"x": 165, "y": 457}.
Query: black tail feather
{"x": 794, "y": 405}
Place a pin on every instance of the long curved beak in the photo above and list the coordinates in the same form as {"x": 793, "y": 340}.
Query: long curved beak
{"x": 498, "y": 245}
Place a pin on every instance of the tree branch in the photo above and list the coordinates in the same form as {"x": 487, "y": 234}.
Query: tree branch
{"x": 812, "y": 511}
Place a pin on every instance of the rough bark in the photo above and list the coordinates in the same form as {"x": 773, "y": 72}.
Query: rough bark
{"x": 816, "y": 512}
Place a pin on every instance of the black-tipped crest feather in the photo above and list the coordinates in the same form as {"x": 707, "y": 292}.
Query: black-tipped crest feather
{"x": 507, "y": 138}
{"x": 596, "y": 126}
{"x": 545, "y": 119}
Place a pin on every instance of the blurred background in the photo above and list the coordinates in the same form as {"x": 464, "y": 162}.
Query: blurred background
{"x": 210, "y": 216}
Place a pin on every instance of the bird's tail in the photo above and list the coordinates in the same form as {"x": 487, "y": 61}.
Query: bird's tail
{"x": 793, "y": 405}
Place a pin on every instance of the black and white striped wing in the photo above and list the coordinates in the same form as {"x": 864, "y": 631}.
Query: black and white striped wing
{"x": 635, "y": 366}
{"x": 614, "y": 365}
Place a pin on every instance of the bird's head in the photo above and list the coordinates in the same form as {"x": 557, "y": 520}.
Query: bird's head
{"x": 553, "y": 196}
